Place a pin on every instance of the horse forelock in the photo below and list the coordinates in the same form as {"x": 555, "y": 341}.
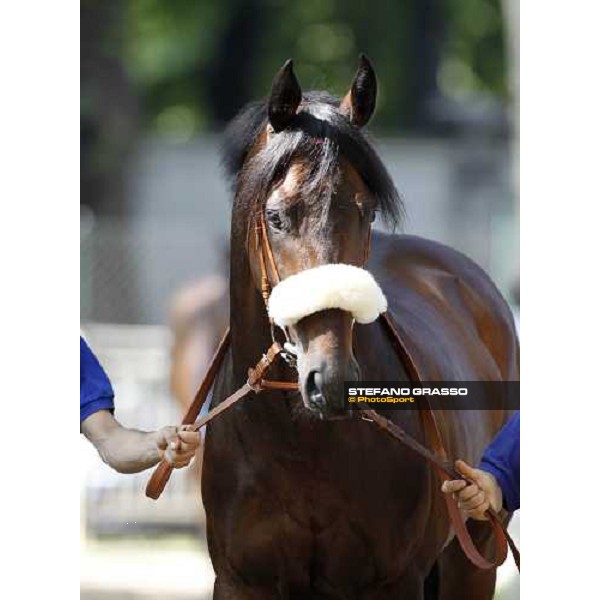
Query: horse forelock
{"x": 319, "y": 135}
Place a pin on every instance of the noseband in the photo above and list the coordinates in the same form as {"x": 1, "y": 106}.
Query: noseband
{"x": 256, "y": 382}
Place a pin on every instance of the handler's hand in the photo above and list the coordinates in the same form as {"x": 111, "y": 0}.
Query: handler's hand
{"x": 177, "y": 445}
{"x": 474, "y": 498}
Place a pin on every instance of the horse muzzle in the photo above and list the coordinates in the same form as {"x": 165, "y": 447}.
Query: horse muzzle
{"x": 325, "y": 362}
{"x": 320, "y": 306}
{"x": 323, "y": 389}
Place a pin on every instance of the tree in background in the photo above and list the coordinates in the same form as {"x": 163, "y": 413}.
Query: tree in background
{"x": 109, "y": 106}
{"x": 109, "y": 130}
{"x": 194, "y": 64}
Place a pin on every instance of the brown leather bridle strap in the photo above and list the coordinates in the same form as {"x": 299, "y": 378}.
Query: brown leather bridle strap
{"x": 501, "y": 536}
{"x": 161, "y": 474}
{"x": 290, "y": 386}
{"x": 438, "y": 458}
{"x": 265, "y": 286}
{"x": 367, "y": 247}
{"x": 255, "y": 383}
{"x": 267, "y": 258}
{"x": 446, "y": 471}
{"x": 211, "y": 374}
{"x": 403, "y": 354}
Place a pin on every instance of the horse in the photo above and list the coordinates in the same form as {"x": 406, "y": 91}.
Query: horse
{"x": 301, "y": 499}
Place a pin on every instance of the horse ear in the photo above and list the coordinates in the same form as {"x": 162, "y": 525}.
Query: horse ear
{"x": 359, "y": 103}
{"x": 285, "y": 98}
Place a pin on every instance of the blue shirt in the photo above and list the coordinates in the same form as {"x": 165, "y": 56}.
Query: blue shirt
{"x": 95, "y": 390}
{"x": 502, "y": 459}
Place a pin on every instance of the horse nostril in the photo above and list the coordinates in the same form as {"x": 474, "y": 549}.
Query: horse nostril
{"x": 314, "y": 390}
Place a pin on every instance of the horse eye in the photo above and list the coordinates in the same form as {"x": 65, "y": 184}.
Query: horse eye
{"x": 274, "y": 219}
{"x": 373, "y": 216}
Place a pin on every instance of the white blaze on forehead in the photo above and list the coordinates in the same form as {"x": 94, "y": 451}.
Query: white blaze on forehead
{"x": 346, "y": 287}
{"x": 288, "y": 189}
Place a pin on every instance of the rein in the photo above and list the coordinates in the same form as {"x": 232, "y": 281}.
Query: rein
{"x": 256, "y": 382}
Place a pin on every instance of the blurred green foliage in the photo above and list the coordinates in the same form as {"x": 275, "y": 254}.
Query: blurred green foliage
{"x": 193, "y": 63}
{"x": 474, "y": 58}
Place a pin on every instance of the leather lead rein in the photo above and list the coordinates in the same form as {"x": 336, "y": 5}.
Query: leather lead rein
{"x": 255, "y": 383}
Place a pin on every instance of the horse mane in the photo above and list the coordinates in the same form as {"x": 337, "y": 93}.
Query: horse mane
{"x": 318, "y": 131}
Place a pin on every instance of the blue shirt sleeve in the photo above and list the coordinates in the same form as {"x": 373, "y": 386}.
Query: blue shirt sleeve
{"x": 95, "y": 390}
{"x": 502, "y": 459}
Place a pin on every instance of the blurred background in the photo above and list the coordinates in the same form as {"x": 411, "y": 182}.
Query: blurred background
{"x": 159, "y": 81}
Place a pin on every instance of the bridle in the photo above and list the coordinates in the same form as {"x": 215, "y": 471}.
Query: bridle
{"x": 256, "y": 382}
{"x": 267, "y": 263}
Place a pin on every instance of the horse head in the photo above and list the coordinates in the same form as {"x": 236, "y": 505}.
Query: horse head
{"x": 311, "y": 186}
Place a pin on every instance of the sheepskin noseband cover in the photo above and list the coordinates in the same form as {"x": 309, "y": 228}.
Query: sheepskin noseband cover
{"x": 329, "y": 286}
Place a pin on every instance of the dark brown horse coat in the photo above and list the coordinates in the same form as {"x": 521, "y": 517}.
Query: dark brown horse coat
{"x": 301, "y": 508}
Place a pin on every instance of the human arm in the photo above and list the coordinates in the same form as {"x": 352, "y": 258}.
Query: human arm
{"x": 496, "y": 483}
{"x": 131, "y": 451}
{"x": 476, "y": 497}
{"x": 125, "y": 450}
